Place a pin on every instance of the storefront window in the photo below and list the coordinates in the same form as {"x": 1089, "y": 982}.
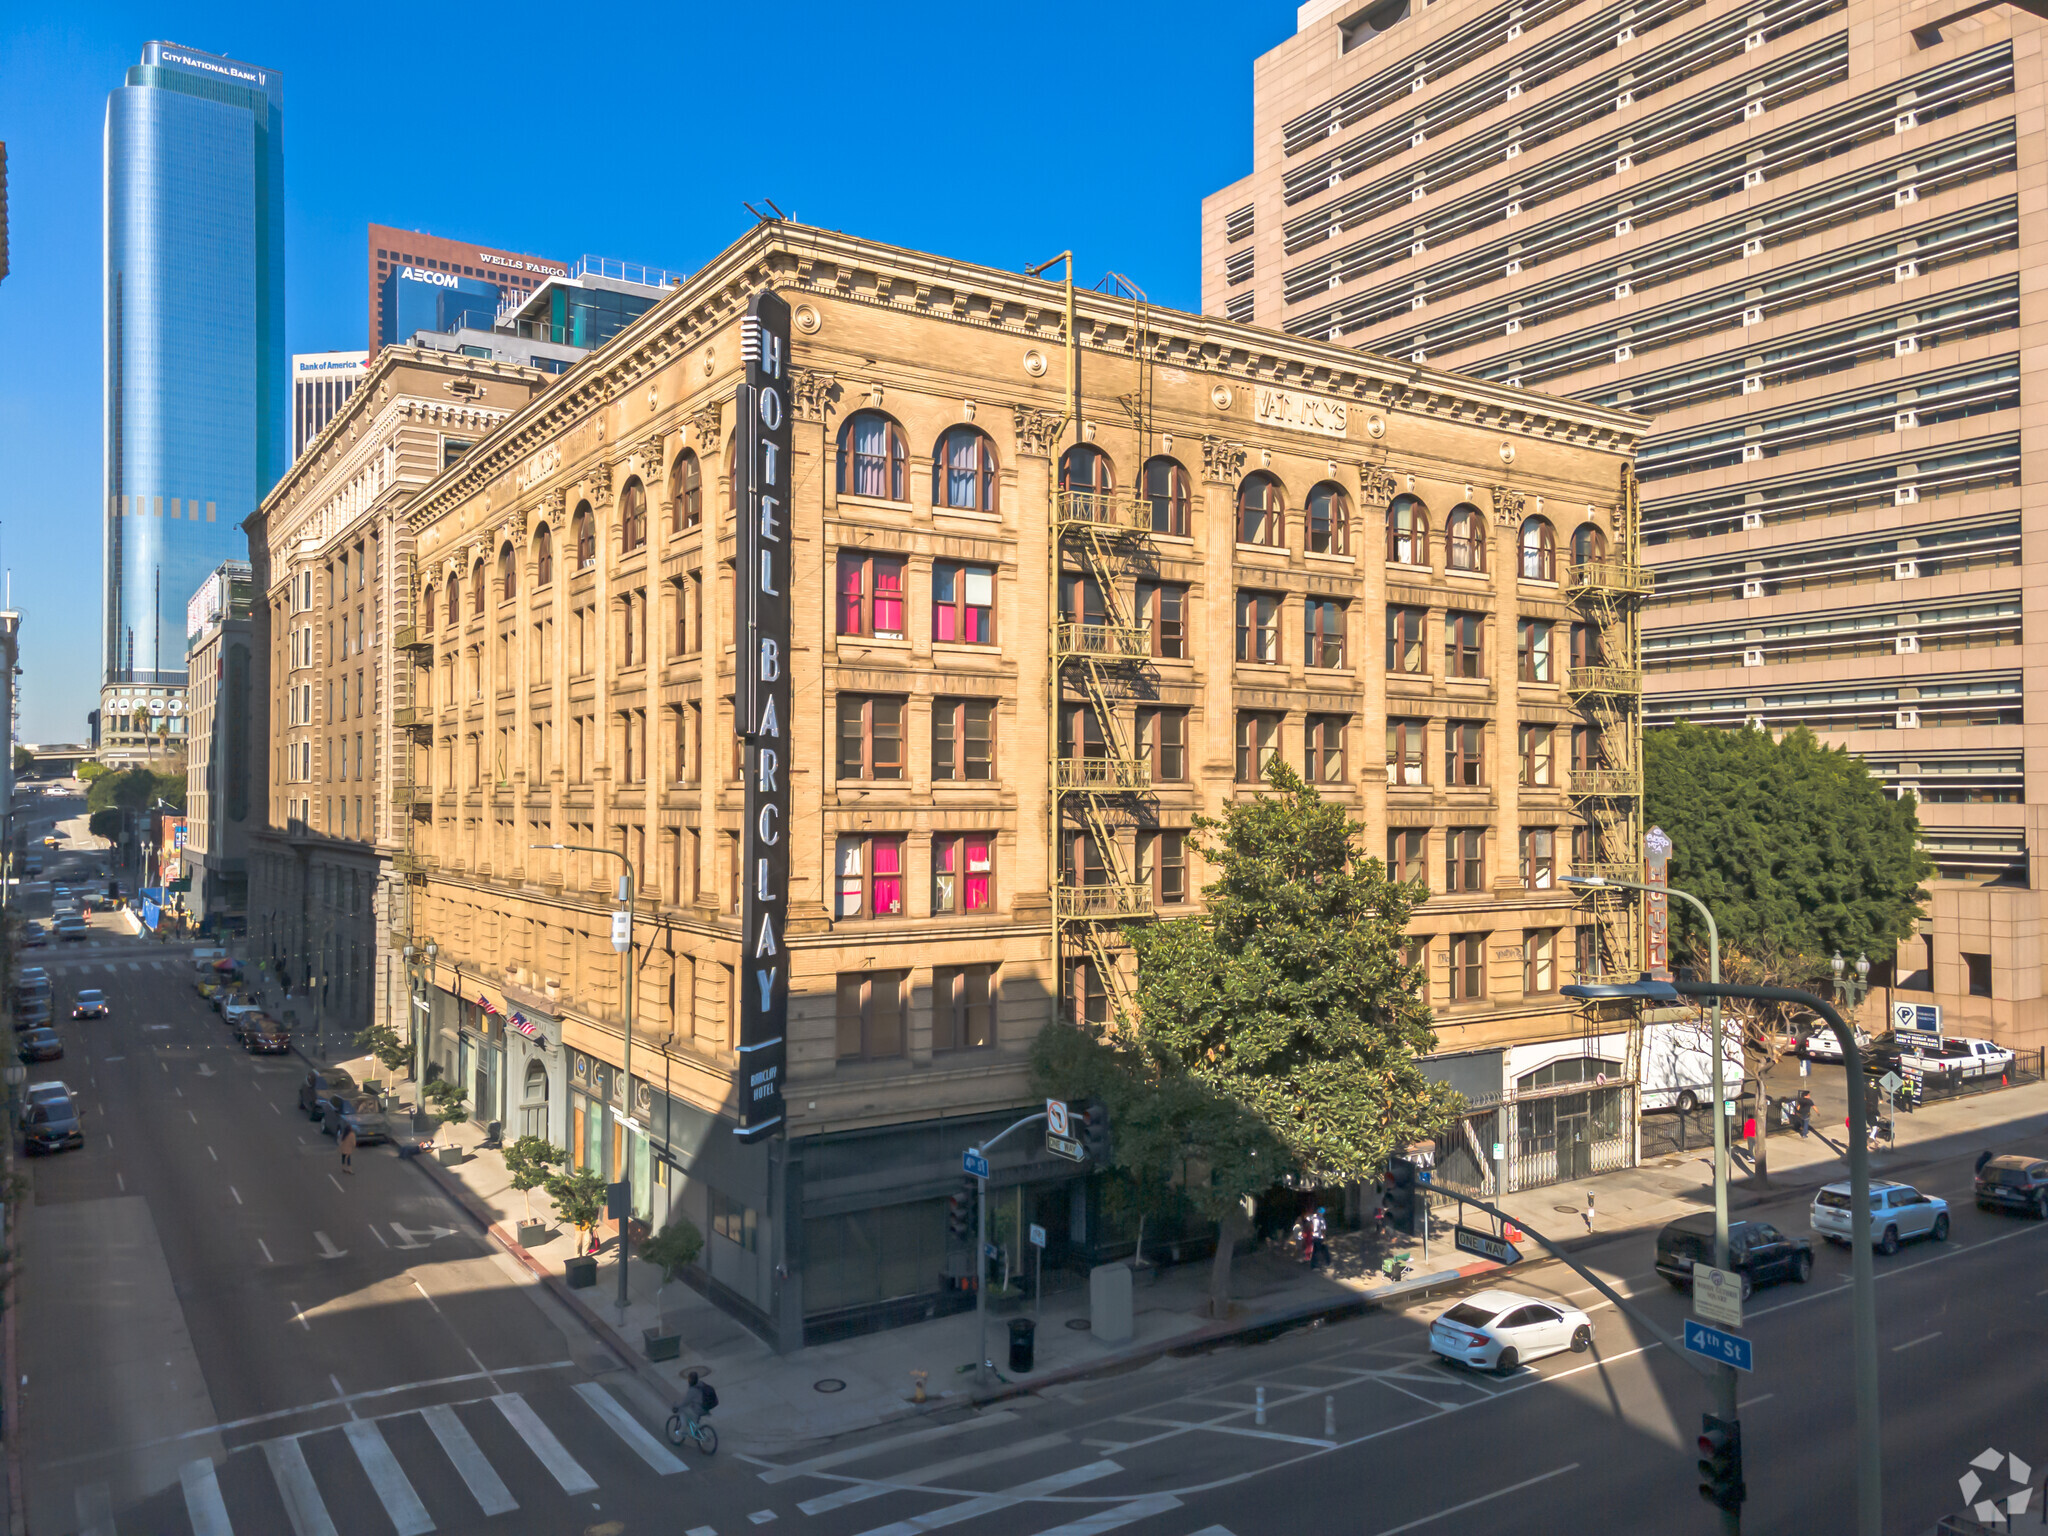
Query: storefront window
{"x": 732, "y": 1221}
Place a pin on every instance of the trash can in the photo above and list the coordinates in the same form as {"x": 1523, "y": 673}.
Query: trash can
{"x": 1023, "y": 1343}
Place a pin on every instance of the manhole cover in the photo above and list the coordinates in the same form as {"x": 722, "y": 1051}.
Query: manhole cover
{"x": 829, "y": 1384}
{"x": 1078, "y": 1324}
{"x": 1566, "y": 1210}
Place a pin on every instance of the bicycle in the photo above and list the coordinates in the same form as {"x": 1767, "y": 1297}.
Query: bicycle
{"x": 681, "y": 1429}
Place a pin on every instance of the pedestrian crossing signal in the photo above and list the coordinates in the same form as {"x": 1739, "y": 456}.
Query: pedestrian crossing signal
{"x": 1721, "y": 1462}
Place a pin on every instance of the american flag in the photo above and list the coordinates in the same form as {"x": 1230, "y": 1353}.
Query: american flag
{"x": 486, "y": 1004}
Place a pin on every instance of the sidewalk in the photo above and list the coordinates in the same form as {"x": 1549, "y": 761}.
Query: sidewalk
{"x": 769, "y": 1403}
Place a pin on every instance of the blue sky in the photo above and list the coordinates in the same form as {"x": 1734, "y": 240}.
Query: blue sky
{"x": 634, "y": 131}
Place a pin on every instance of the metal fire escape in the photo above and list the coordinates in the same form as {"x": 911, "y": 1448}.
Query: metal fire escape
{"x": 412, "y": 722}
{"x": 1101, "y": 654}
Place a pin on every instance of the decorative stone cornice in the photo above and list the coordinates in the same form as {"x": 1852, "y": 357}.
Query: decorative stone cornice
{"x": 1037, "y": 431}
{"x": 1222, "y": 462}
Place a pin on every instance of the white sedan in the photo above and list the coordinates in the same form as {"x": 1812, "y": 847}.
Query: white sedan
{"x": 1500, "y": 1330}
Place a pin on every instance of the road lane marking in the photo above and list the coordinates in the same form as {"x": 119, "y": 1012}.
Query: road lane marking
{"x": 626, "y": 1427}
{"x": 485, "y": 1486}
{"x": 938, "y": 1471}
{"x": 1750, "y": 1402}
{"x": 1925, "y": 1338}
{"x": 266, "y": 1251}
{"x": 300, "y": 1318}
{"x": 1121, "y": 1514}
{"x": 379, "y": 1235}
{"x": 236, "y": 1193}
{"x": 329, "y": 1251}
{"x": 423, "y": 1292}
{"x": 400, "y": 1500}
{"x": 875, "y": 1448}
{"x": 275, "y": 1110}
{"x": 1485, "y": 1498}
{"x": 295, "y": 1484}
{"x": 990, "y": 1503}
{"x": 203, "y": 1502}
{"x": 542, "y": 1442}
{"x": 335, "y": 1182}
{"x": 178, "y": 1092}
{"x": 213, "y": 1154}
{"x": 94, "y": 1507}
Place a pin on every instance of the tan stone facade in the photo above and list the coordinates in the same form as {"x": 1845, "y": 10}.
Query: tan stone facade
{"x": 571, "y": 614}
{"x": 1798, "y": 235}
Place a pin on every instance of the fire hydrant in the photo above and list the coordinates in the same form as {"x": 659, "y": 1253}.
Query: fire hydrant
{"x": 917, "y": 1386}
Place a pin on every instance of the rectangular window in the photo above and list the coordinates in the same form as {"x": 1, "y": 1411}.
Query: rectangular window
{"x": 1163, "y": 864}
{"x": 1323, "y": 632}
{"x": 964, "y": 603}
{"x": 1417, "y": 957}
{"x": 1462, "y": 632}
{"x": 1586, "y": 648}
{"x": 1404, "y": 641}
{"x": 1081, "y": 600}
{"x": 1538, "y": 748}
{"x": 1586, "y": 953}
{"x": 1404, "y": 752}
{"x": 1977, "y": 972}
{"x": 1258, "y": 737}
{"x": 1589, "y": 749}
{"x": 1163, "y": 742}
{"x": 1258, "y": 626}
{"x": 871, "y": 1015}
{"x": 1163, "y": 610}
{"x": 870, "y": 595}
{"x": 732, "y": 1221}
{"x": 1539, "y": 961}
{"x": 1465, "y": 860}
{"x": 1539, "y": 858}
{"x": 870, "y": 871}
{"x": 963, "y": 739}
{"x": 1468, "y": 967}
{"x": 735, "y": 874}
{"x": 1464, "y": 740}
{"x": 1408, "y": 854}
{"x": 1081, "y": 731}
{"x": 1532, "y": 651}
{"x": 870, "y": 737}
{"x": 963, "y": 872}
{"x": 963, "y": 1007}
{"x": 1323, "y": 740}
{"x": 1087, "y": 998}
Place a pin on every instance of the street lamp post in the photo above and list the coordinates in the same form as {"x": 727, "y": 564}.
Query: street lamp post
{"x": 622, "y": 941}
{"x": 1851, "y": 992}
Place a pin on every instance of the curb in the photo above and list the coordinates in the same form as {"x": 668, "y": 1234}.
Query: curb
{"x": 10, "y": 1391}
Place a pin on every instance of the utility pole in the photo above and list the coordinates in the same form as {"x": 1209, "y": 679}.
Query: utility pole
{"x": 981, "y": 1358}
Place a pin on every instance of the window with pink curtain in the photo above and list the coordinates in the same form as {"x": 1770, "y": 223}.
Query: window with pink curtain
{"x": 980, "y": 874}
{"x": 888, "y": 878}
{"x": 852, "y": 571}
{"x": 870, "y": 594}
{"x": 888, "y": 615}
{"x": 963, "y": 873}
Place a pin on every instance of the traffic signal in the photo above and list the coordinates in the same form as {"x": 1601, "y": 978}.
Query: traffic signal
{"x": 1721, "y": 1462}
{"x": 1399, "y": 1198}
{"x": 960, "y": 1209}
{"x": 1095, "y": 1138}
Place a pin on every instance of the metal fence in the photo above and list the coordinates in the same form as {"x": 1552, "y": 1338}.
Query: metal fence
{"x": 1546, "y": 1137}
{"x": 2026, "y": 1068}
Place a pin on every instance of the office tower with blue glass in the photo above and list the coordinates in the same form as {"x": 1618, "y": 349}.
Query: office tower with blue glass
{"x": 195, "y": 428}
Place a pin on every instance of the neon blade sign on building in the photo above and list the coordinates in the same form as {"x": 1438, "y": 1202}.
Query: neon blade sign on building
{"x": 761, "y": 699}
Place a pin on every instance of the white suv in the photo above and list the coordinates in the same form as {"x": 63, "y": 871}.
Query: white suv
{"x": 1897, "y": 1212}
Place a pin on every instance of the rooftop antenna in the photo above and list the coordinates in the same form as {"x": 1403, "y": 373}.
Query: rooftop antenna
{"x": 766, "y": 218}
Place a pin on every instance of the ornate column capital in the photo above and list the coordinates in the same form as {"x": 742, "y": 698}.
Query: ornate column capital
{"x": 1222, "y": 462}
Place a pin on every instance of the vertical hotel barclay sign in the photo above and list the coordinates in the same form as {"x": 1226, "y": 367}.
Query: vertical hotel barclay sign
{"x": 761, "y": 685}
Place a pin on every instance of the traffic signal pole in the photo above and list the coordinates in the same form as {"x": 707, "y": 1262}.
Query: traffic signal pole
{"x": 981, "y": 1357}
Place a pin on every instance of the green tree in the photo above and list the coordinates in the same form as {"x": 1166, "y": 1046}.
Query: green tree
{"x": 169, "y": 788}
{"x": 449, "y": 1100}
{"x": 105, "y": 823}
{"x": 23, "y": 759}
{"x": 1275, "y": 1033}
{"x": 382, "y": 1042}
{"x": 89, "y": 771}
{"x": 579, "y": 1201}
{"x": 531, "y": 1161}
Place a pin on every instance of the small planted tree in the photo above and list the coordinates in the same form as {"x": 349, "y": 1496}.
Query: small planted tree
{"x": 382, "y": 1042}
{"x": 579, "y": 1202}
{"x": 531, "y": 1161}
{"x": 450, "y": 1100}
{"x": 672, "y": 1250}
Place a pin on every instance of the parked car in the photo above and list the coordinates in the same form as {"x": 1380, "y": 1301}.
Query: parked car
{"x": 37, "y": 1093}
{"x": 1897, "y": 1212}
{"x": 72, "y": 929}
{"x": 1757, "y": 1251}
{"x": 259, "y": 1032}
{"x": 1499, "y": 1330}
{"x": 32, "y": 1014}
{"x": 1822, "y": 1045}
{"x": 51, "y": 1125}
{"x": 91, "y": 1004}
{"x": 40, "y": 1045}
{"x": 359, "y": 1110}
{"x": 1961, "y": 1058}
{"x": 34, "y": 935}
{"x": 319, "y": 1083}
{"x": 2014, "y": 1183}
{"x": 234, "y": 1009}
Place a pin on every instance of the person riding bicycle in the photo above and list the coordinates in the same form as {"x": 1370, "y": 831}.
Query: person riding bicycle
{"x": 698, "y": 1400}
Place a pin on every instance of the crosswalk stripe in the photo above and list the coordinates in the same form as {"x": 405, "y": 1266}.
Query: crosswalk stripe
{"x": 485, "y": 1486}
{"x": 94, "y": 1507}
{"x": 295, "y": 1485}
{"x": 876, "y": 1447}
{"x": 629, "y": 1429}
{"x": 401, "y": 1503}
{"x": 1120, "y": 1514}
{"x": 109, "y": 969}
{"x": 136, "y": 965}
{"x": 990, "y": 1503}
{"x": 542, "y": 1442}
{"x": 859, "y": 1493}
{"x": 202, "y": 1499}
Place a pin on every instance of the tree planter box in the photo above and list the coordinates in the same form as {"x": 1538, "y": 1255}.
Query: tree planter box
{"x": 533, "y": 1233}
{"x": 1002, "y": 1300}
{"x": 448, "y": 1157}
{"x": 660, "y": 1345}
{"x": 580, "y": 1272}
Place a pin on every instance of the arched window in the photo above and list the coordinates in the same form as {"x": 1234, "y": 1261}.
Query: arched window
{"x": 1539, "y": 551}
{"x": 872, "y": 454}
{"x": 543, "y": 557}
{"x": 427, "y": 610}
{"x": 476, "y": 583}
{"x": 964, "y": 470}
{"x": 688, "y": 479}
{"x": 585, "y": 528}
{"x": 1588, "y": 544}
{"x": 1407, "y": 531}
{"x": 1260, "y": 515}
{"x": 508, "y": 574}
{"x": 454, "y": 599}
{"x": 1166, "y": 488}
{"x": 632, "y": 516}
{"x": 1329, "y": 520}
{"x": 1086, "y": 479}
{"x": 1465, "y": 539}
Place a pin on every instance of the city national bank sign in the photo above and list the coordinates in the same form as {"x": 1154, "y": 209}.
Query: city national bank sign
{"x": 762, "y": 713}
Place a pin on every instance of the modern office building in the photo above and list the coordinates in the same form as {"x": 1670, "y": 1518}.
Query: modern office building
{"x": 225, "y": 751}
{"x": 1028, "y": 649}
{"x": 554, "y": 323}
{"x": 1798, "y": 233}
{"x": 194, "y": 430}
{"x": 321, "y": 381}
{"x": 3, "y": 209}
{"x": 420, "y": 281}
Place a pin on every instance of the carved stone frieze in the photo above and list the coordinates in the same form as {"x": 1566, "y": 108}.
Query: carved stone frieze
{"x": 811, "y": 394}
{"x": 652, "y": 465}
{"x": 1037, "y": 430}
{"x": 600, "y": 484}
{"x": 1509, "y": 506}
{"x": 1222, "y": 461}
{"x": 1376, "y": 485}
{"x": 705, "y": 425}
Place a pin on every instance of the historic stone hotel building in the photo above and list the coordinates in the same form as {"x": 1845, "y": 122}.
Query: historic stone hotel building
{"x": 1028, "y": 649}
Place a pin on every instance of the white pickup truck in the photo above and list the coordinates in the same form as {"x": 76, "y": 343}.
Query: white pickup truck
{"x": 1961, "y": 1057}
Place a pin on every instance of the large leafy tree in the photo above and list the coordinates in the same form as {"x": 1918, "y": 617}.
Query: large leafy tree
{"x": 1276, "y": 1032}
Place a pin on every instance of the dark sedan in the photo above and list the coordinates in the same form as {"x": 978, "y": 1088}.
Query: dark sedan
{"x": 40, "y": 1045}
{"x": 2014, "y": 1184}
{"x": 318, "y": 1086}
{"x": 32, "y": 1014}
{"x": 52, "y": 1126}
{"x": 259, "y": 1032}
{"x": 360, "y": 1112}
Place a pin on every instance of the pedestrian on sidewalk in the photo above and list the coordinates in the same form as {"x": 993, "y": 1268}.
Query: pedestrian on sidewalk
{"x": 1802, "y": 1113}
{"x": 1589, "y": 1210}
{"x": 347, "y": 1138}
{"x": 1318, "y": 1231}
